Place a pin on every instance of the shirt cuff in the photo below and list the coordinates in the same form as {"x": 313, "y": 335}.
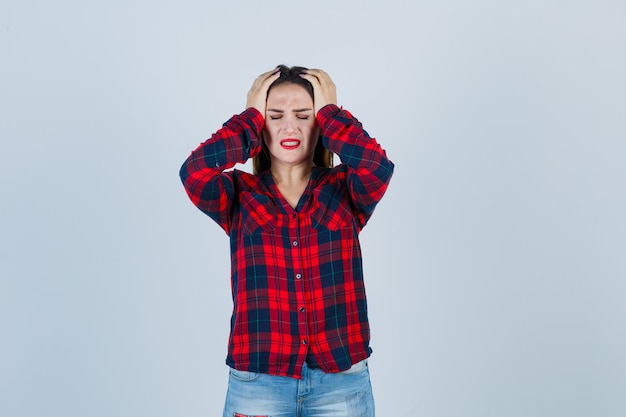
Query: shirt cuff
{"x": 327, "y": 112}
{"x": 255, "y": 118}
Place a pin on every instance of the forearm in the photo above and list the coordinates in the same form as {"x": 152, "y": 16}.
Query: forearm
{"x": 370, "y": 169}
{"x": 202, "y": 172}
{"x": 238, "y": 140}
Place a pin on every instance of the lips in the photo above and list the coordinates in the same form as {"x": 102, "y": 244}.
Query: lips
{"x": 290, "y": 143}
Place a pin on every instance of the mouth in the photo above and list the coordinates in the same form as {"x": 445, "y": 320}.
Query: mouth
{"x": 290, "y": 143}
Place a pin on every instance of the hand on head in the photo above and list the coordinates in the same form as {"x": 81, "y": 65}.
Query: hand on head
{"x": 324, "y": 89}
{"x": 257, "y": 95}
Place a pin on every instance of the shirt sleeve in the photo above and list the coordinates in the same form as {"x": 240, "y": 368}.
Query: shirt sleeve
{"x": 209, "y": 187}
{"x": 368, "y": 168}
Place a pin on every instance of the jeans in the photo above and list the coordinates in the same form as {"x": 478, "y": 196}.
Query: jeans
{"x": 317, "y": 394}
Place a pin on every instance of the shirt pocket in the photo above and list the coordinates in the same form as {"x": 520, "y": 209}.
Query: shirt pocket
{"x": 332, "y": 209}
{"x": 258, "y": 213}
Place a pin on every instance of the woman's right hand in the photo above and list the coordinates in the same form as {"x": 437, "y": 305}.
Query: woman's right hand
{"x": 257, "y": 96}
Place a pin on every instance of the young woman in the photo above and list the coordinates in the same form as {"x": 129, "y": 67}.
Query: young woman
{"x": 299, "y": 339}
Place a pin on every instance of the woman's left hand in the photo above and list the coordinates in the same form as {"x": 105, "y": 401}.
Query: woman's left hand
{"x": 324, "y": 89}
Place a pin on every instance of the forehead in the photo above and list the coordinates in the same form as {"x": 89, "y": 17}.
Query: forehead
{"x": 288, "y": 95}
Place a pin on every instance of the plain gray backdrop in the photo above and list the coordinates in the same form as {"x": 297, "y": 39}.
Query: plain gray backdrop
{"x": 495, "y": 265}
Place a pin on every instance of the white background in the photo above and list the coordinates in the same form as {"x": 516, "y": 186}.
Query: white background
{"x": 495, "y": 265}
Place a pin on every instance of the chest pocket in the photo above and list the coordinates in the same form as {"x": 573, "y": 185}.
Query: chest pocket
{"x": 258, "y": 213}
{"x": 332, "y": 210}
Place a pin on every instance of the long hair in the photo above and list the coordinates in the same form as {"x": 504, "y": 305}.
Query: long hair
{"x": 322, "y": 157}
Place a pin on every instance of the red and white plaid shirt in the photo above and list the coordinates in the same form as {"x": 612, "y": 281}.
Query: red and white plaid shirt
{"x": 297, "y": 279}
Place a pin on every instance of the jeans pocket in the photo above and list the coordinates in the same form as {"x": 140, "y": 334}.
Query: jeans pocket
{"x": 356, "y": 368}
{"x": 243, "y": 375}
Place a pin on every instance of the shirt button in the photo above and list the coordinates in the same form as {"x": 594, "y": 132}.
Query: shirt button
{"x": 304, "y": 342}
{"x": 298, "y": 276}
{"x": 217, "y": 165}
{"x": 302, "y": 310}
{"x": 295, "y": 243}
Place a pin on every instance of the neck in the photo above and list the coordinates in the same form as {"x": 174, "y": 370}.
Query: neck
{"x": 291, "y": 174}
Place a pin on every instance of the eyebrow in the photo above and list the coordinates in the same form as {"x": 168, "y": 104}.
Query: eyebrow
{"x": 295, "y": 110}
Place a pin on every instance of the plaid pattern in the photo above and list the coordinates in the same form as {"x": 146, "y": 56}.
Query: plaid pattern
{"x": 297, "y": 280}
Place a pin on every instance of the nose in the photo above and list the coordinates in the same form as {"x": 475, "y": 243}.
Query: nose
{"x": 289, "y": 123}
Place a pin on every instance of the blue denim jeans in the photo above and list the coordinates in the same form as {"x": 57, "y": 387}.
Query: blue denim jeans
{"x": 317, "y": 394}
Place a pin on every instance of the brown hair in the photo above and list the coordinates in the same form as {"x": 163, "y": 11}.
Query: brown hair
{"x": 322, "y": 157}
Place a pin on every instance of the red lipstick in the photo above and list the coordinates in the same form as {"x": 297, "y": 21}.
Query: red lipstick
{"x": 290, "y": 143}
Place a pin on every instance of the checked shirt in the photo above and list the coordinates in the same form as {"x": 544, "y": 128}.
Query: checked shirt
{"x": 296, "y": 274}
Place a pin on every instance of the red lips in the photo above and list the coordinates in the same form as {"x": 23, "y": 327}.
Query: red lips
{"x": 290, "y": 143}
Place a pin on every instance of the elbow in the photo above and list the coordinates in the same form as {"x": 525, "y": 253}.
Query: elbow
{"x": 385, "y": 171}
